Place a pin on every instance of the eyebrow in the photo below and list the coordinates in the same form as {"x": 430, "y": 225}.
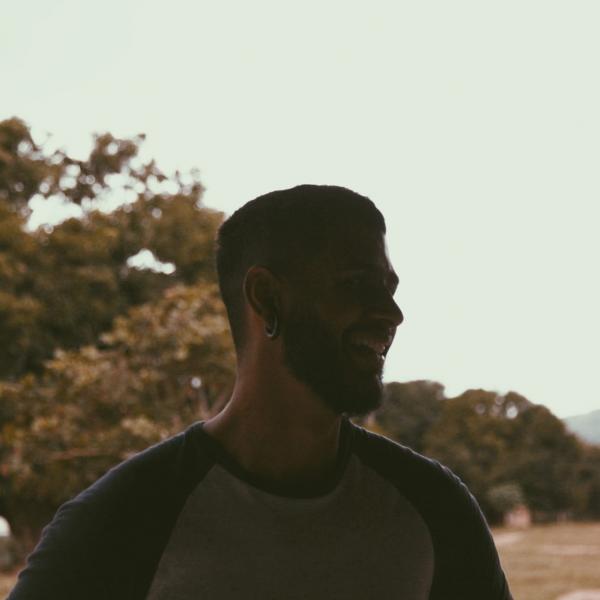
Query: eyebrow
{"x": 390, "y": 275}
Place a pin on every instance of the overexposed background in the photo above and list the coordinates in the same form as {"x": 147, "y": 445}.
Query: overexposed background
{"x": 472, "y": 124}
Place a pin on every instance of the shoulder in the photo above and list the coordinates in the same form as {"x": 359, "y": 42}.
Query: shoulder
{"x": 442, "y": 499}
{"x": 170, "y": 467}
{"x": 411, "y": 472}
{"x": 108, "y": 537}
{"x": 466, "y": 560}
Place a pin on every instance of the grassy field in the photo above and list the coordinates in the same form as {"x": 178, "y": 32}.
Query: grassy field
{"x": 547, "y": 562}
{"x": 541, "y": 563}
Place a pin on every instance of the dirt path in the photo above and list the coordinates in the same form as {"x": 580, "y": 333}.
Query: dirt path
{"x": 581, "y": 595}
{"x": 507, "y": 537}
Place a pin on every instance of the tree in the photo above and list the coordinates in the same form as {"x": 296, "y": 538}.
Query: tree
{"x": 505, "y": 497}
{"x": 544, "y": 459}
{"x": 587, "y": 489}
{"x": 61, "y": 287}
{"x": 99, "y": 358}
{"x": 163, "y": 366}
{"x": 490, "y": 440}
{"x": 27, "y": 169}
{"x": 470, "y": 437}
{"x": 409, "y": 410}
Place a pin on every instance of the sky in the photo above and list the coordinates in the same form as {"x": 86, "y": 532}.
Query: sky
{"x": 472, "y": 124}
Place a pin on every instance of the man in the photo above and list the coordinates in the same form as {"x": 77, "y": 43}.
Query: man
{"x": 280, "y": 496}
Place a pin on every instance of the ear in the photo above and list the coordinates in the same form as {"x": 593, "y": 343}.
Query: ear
{"x": 262, "y": 291}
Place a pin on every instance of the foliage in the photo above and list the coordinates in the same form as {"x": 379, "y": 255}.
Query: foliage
{"x": 28, "y": 169}
{"x": 587, "y": 489}
{"x": 98, "y": 358}
{"x": 505, "y": 497}
{"x": 409, "y": 410}
{"x": 471, "y": 438}
{"x": 489, "y": 439}
{"x": 544, "y": 458}
{"x": 61, "y": 287}
{"x": 162, "y": 366}
{"x": 492, "y": 441}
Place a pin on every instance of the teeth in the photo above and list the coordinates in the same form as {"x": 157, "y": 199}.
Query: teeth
{"x": 374, "y": 345}
{"x": 378, "y": 348}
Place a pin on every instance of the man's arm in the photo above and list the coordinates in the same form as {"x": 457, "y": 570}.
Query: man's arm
{"x": 69, "y": 560}
{"x": 106, "y": 543}
{"x": 466, "y": 566}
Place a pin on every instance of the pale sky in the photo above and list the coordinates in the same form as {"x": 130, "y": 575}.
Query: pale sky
{"x": 473, "y": 125}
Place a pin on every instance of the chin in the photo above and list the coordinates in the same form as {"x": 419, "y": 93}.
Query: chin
{"x": 355, "y": 400}
{"x": 363, "y": 406}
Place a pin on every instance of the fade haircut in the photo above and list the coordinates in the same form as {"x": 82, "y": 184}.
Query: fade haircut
{"x": 285, "y": 231}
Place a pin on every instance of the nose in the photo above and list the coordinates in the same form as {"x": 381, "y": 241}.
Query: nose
{"x": 386, "y": 309}
{"x": 395, "y": 314}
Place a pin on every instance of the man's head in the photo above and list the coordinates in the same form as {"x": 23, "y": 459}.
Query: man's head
{"x": 313, "y": 259}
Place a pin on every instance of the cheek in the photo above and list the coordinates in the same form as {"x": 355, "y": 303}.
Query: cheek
{"x": 340, "y": 317}
{"x": 336, "y": 308}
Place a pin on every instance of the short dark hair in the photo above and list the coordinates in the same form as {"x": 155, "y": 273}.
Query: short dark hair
{"x": 284, "y": 231}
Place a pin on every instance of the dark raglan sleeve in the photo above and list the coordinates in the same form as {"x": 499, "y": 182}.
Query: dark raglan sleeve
{"x": 467, "y": 566}
{"x": 467, "y": 562}
{"x": 68, "y": 560}
{"x": 107, "y": 541}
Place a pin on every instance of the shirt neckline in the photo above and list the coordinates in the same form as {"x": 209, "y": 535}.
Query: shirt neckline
{"x": 229, "y": 464}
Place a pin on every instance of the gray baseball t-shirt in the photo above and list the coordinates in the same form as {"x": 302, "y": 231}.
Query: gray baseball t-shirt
{"x": 232, "y": 540}
{"x": 182, "y": 520}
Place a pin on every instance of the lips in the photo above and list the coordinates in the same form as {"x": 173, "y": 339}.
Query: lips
{"x": 366, "y": 359}
{"x": 370, "y": 348}
{"x": 374, "y": 342}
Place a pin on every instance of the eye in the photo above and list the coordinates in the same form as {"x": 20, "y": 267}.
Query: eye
{"x": 359, "y": 287}
{"x": 355, "y": 282}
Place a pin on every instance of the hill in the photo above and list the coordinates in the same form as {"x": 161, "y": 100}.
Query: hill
{"x": 586, "y": 426}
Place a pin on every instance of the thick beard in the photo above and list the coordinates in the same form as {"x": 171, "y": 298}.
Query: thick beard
{"x": 314, "y": 356}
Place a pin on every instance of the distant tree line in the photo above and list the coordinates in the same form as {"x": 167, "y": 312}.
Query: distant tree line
{"x": 508, "y": 450}
{"x": 100, "y": 358}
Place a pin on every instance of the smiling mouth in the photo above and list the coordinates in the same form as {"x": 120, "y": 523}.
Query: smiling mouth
{"x": 378, "y": 350}
{"x": 367, "y": 358}
{"x": 377, "y": 345}
{"x": 368, "y": 349}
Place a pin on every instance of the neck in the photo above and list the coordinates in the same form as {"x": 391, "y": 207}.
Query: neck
{"x": 276, "y": 428}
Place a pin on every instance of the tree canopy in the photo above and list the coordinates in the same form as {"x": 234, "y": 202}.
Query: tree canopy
{"x": 62, "y": 286}
{"x": 501, "y": 446}
{"x": 99, "y": 357}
